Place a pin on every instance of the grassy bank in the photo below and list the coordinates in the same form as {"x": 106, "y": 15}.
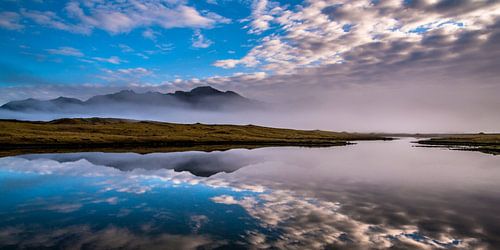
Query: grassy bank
{"x": 486, "y": 143}
{"x": 107, "y": 134}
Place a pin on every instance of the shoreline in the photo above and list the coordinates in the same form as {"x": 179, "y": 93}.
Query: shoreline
{"x": 109, "y": 134}
{"x": 485, "y": 143}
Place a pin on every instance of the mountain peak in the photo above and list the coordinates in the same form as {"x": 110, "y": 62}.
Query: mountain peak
{"x": 205, "y": 90}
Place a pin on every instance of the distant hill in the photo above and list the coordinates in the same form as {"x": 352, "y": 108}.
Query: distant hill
{"x": 200, "y": 98}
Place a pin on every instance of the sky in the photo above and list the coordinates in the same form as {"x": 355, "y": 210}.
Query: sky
{"x": 361, "y": 65}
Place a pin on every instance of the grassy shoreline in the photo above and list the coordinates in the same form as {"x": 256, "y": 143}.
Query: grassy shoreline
{"x": 108, "y": 134}
{"x": 486, "y": 143}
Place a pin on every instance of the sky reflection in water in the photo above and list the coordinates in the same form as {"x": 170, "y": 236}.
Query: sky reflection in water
{"x": 371, "y": 195}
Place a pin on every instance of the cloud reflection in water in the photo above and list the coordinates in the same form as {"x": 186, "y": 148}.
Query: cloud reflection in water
{"x": 268, "y": 206}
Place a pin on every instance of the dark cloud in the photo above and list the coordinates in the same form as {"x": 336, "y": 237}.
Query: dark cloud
{"x": 450, "y": 8}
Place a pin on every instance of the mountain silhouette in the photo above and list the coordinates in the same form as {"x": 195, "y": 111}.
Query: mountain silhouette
{"x": 200, "y": 98}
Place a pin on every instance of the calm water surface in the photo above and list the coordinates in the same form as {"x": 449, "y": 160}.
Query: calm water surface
{"x": 369, "y": 195}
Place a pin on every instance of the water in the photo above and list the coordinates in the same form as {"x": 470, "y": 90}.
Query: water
{"x": 369, "y": 195}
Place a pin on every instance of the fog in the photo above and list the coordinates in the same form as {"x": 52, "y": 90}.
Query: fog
{"x": 391, "y": 107}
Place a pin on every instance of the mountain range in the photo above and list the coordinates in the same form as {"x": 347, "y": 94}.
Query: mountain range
{"x": 200, "y": 98}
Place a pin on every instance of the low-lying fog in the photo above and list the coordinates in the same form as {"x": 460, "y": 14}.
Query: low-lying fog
{"x": 389, "y": 108}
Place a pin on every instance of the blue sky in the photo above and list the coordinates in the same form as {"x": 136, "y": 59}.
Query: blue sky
{"x": 155, "y": 42}
{"x": 45, "y": 43}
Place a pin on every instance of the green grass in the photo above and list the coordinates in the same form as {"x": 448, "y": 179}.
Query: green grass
{"x": 118, "y": 134}
{"x": 486, "y": 143}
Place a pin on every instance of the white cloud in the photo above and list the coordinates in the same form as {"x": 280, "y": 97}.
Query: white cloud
{"x": 52, "y": 20}
{"x": 139, "y": 70}
{"x": 124, "y": 16}
{"x": 249, "y": 61}
{"x": 227, "y": 64}
{"x": 260, "y": 17}
{"x": 66, "y": 51}
{"x": 199, "y": 41}
{"x": 316, "y": 224}
{"x": 130, "y": 75}
{"x": 217, "y": 18}
{"x": 250, "y": 76}
{"x": 149, "y": 34}
{"x": 125, "y": 48}
{"x": 325, "y": 32}
{"x": 161, "y": 48}
{"x": 48, "y": 167}
{"x": 225, "y": 199}
{"x": 10, "y": 20}
{"x": 112, "y": 59}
